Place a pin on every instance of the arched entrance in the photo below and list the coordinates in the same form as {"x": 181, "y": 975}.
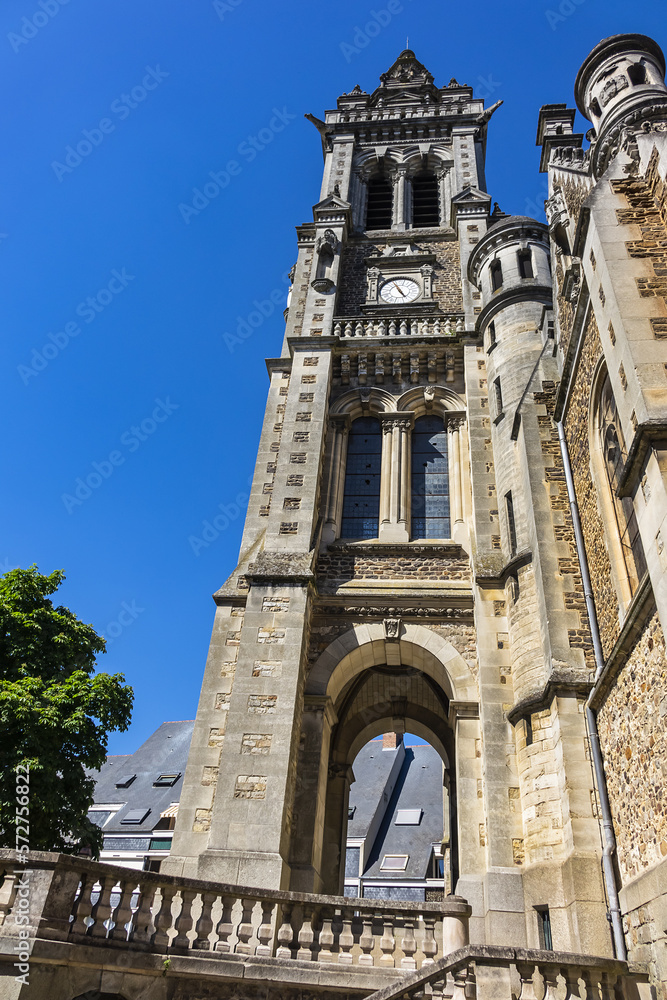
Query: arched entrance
{"x": 375, "y": 678}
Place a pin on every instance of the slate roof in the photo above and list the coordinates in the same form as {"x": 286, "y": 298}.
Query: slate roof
{"x": 165, "y": 751}
{"x": 419, "y": 786}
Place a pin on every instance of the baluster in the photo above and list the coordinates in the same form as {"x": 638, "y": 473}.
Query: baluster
{"x": 285, "y": 934}
{"x": 307, "y": 935}
{"x": 124, "y": 914}
{"x": 392, "y": 327}
{"x": 448, "y": 326}
{"x": 184, "y": 921}
{"x": 205, "y": 923}
{"x": 409, "y": 945}
{"x": 143, "y": 928}
{"x": 83, "y": 907}
{"x": 460, "y": 977}
{"x": 366, "y": 940}
{"x": 348, "y": 329}
{"x": 244, "y": 931}
{"x": 459, "y": 325}
{"x": 404, "y": 327}
{"x": 591, "y": 990}
{"x": 359, "y": 329}
{"x": 225, "y": 926}
{"x": 265, "y": 932}
{"x": 368, "y": 328}
{"x": 550, "y": 973}
{"x": 163, "y": 919}
{"x": 436, "y": 327}
{"x": 526, "y": 972}
{"x": 387, "y": 941}
{"x": 382, "y": 327}
{"x": 426, "y": 328}
{"x": 326, "y": 936}
{"x": 8, "y": 894}
{"x": 471, "y": 983}
{"x": 430, "y": 945}
{"x": 101, "y": 912}
{"x": 337, "y": 328}
{"x": 571, "y": 974}
{"x": 607, "y": 983}
{"x": 346, "y": 938}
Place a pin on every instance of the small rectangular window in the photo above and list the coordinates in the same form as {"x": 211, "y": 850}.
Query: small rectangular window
{"x": 125, "y": 780}
{"x": 394, "y": 862}
{"x": 492, "y": 335}
{"x": 166, "y": 780}
{"x": 408, "y": 817}
{"x": 525, "y": 264}
{"x": 496, "y": 275}
{"x": 544, "y": 928}
{"x": 529, "y": 731}
{"x": 133, "y": 817}
{"x": 497, "y": 388}
{"x": 511, "y": 523}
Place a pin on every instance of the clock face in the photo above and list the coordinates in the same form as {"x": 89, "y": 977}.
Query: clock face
{"x": 398, "y": 291}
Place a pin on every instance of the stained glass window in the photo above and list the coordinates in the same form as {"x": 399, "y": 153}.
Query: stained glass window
{"x": 361, "y": 499}
{"x": 430, "y": 479}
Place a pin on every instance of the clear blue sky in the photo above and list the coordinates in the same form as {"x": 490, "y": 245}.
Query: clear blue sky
{"x": 116, "y": 302}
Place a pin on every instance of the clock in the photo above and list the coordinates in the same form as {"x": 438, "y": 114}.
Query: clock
{"x": 399, "y": 291}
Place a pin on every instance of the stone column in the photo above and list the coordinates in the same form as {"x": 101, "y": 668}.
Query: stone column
{"x": 454, "y": 430}
{"x": 400, "y": 184}
{"x": 340, "y": 777}
{"x": 395, "y": 486}
{"x": 442, "y": 175}
{"x": 339, "y": 425}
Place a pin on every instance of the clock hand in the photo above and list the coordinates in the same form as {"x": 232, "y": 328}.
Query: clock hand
{"x": 398, "y": 289}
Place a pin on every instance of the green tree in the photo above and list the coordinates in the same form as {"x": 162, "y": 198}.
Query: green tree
{"x": 55, "y": 714}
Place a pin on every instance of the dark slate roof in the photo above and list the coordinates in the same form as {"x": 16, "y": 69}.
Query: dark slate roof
{"x": 166, "y": 751}
{"x": 372, "y": 768}
{"x": 419, "y": 785}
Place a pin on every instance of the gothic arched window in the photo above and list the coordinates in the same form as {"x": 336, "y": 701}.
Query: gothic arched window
{"x": 361, "y": 499}
{"x": 613, "y": 451}
{"x": 425, "y": 210}
{"x": 380, "y": 202}
{"x": 430, "y": 479}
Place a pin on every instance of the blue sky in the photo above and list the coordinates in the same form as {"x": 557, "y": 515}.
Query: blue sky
{"x": 116, "y": 299}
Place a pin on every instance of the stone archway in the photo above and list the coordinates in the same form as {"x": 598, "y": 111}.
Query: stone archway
{"x": 372, "y": 679}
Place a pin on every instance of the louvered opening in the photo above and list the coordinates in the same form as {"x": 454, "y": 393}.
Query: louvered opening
{"x": 425, "y": 211}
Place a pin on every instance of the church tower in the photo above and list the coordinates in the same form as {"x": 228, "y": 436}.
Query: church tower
{"x": 408, "y": 559}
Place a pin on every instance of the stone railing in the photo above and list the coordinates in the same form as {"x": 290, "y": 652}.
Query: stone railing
{"x": 78, "y": 901}
{"x": 519, "y": 974}
{"x": 399, "y": 326}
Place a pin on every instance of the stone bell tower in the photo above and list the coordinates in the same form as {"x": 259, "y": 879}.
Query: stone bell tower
{"x": 406, "y": 562}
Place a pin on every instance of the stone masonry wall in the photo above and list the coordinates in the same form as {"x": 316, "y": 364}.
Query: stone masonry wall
{"x": 446, "y": 283}
{"x": 632, "y": 724}
{"x": 576, "y": 432}
{"x": 647, "y": 208}
{"x": 338, "y": 567}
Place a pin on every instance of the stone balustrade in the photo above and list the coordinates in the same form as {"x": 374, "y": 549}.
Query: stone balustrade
{"x": 520, "y": 974}
{"x": 79, "y": 901}
{"x": 399, "y": 326}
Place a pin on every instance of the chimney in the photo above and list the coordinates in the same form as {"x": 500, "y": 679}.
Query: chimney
{"x": 390, "y": 741}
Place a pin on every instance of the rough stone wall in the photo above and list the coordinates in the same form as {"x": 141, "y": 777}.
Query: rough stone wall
{"x": 338, "y": 567}
{"x": 647, "y": 208}
{"x": 632, "y": 724}
{"x": 446, "y": 280}
{"x": 565, "y": 310}
{"x": 576, "y": 432}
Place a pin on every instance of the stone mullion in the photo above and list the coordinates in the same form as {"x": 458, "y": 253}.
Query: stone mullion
{"x": 403, "y": 518}
{"x": 385, "y": 474}
{"x": 399, "y": 181}
{"x": 339, "y": 427}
